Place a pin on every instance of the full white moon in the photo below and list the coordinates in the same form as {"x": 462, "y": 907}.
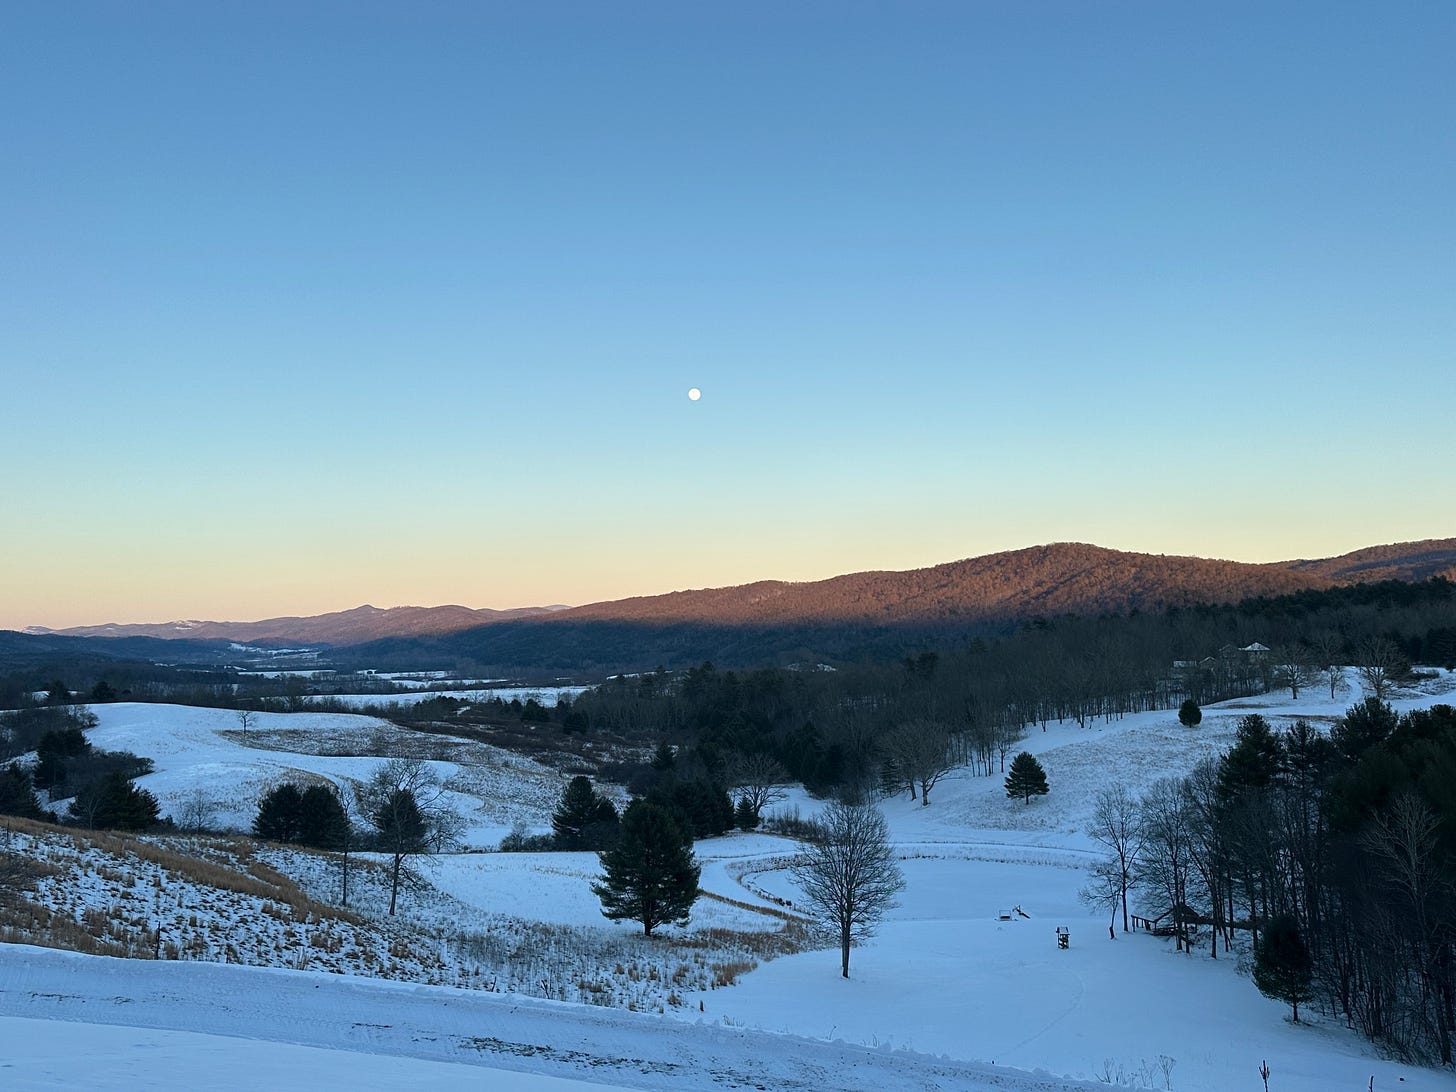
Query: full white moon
{"x": 694, "y": 393}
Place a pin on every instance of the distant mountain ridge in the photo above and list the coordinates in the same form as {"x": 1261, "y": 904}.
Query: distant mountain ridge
{"x": 345, "y": 627}
{"x": 1059, "y": 578}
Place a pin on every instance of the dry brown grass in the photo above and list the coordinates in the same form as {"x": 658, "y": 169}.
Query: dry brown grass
{"x": 726, "y": 974}
{"x": 766, "y": 911}
{"x": 26, "y": 922}
{"x": 19, "y": 874}
{"x": 227, "y": 864}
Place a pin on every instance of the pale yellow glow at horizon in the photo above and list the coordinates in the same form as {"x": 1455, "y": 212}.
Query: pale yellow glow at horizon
{"x": 75, "y": 585}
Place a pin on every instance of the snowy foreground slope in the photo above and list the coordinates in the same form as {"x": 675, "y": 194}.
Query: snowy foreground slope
{"x": 387, "y": 1035}
{"x": 948, "y": 995}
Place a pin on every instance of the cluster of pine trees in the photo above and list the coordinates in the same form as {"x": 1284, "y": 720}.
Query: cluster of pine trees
{"x": 304, "y": 815}
{"x": 98, "y": 782}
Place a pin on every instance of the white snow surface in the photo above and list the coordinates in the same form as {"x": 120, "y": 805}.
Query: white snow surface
{"x": 544, "y": 695}
{"x": 394, "y": 1035}
{"x": 201, "y": 750}
{"x": 946, "y": 996}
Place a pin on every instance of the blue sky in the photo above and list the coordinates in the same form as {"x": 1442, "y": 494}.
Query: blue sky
{"x": 307, "y": 305}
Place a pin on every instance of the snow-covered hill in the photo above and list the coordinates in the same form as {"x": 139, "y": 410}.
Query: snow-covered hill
{"x": 207, "y": 752}
{"x": 946, "y": 977}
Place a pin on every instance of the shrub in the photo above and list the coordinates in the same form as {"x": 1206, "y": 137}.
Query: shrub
{"x": 521, "y": 840}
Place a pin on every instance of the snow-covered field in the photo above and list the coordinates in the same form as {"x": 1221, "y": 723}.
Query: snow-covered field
{"x": 383, "y": 1031}
{"x": 947, "y": 996}
{"x": 200, "y": 751}
{"x": 547, "y": 696}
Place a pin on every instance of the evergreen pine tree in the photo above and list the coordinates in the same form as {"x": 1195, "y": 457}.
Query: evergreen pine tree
{"x": 650, "y": 875}
{"x": 1253, "y": 761}
{"x": 605, "y": 823}
{"x": 17, "y": 793}
{"x": 680, "y": 800}
{"x": 55, "y": 747}
{"x": 1189, "y": 715}
{"x": 744, "y": 817}
{"x": 1362, "y": 727}
{"x": 709, "y": 806}
{"x": 578, "y": 810}
{"x": 279, "y": 813}
{"x": 131, "y": 808}
{"x": 322, "y": 823}
{"x": 114, "y": 803}
{"x": 1026, "y": 778}
{"x": 1283, "y": 969}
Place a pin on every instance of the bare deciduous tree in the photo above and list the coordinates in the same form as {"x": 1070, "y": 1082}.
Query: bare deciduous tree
{"x": 1117, "y": 826}
{"x": 1405, "y": 845}
{"x": 1379, "y": 659}
{"x": 848, "y": 873}
{"x": 1293, "y": 668}
{"x": 922, "y": 753}
{"x": 197, "y": 812}
{"x": 1329, "y": 650}
{"x": 1168, "y": 850}
{"x": 246, "y": 718}
{"x": 760, "y": 778}
{"x": 411, "y": 815}
{"x": 1009, "y": 732}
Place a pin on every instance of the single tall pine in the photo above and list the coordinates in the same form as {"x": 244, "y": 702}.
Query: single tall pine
{"x": 583, "y": 819}
{"x": 1283, "y": 969}
{"x": 1027, "y": 778}
{"x": 650, "y": 875}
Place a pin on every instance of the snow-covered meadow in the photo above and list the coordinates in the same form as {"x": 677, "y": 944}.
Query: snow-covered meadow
{"x": 547, "y": 696}
{"x": 206, "y": 752}
{"x": 947, "y": 988}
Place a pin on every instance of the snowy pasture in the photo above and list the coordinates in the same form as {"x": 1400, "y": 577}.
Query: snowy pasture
{"x": 547, "y": 696}
{"x": 204, "y": 753}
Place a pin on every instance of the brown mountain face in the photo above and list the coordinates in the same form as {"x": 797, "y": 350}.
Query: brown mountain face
{"x": 1403, "y": 561}
{"x": 345, "y": 627}
{"x": 1044, "y": 580}
{"x": 1062, "y": 578}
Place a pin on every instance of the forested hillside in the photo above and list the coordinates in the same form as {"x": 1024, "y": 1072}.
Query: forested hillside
{"x": 826, "y": 727}
{"x": 567, "y": 642}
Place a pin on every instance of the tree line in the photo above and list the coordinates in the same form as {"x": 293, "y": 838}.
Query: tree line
{"x": 1335, "y": 854}
{"x": 831, "y": 728}
{"x": 97, "y": 782}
